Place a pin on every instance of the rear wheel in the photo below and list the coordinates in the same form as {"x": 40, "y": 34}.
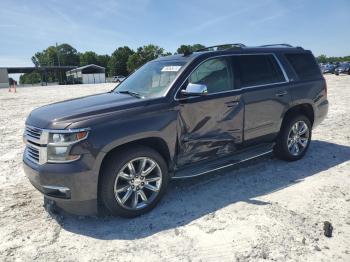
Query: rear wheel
{"x": 294, "y": 138}
{"x": 133, "y": 181}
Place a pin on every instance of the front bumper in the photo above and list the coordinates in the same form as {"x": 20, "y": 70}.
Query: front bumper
{"x": 72, "y": 186}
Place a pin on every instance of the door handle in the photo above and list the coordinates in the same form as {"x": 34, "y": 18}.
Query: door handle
{"x": 282, "y": 94}
{"x": 232, "y": 103}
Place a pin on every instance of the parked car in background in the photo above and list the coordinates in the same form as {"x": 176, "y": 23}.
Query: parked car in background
{"x": 344, "y": 68}
{"x": 176, "y": 117}
{"x": 328, "y": 69}
{"x": 118, "y": 79}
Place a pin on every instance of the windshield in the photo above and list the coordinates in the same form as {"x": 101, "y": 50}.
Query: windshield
{"x": 151, "y": 80}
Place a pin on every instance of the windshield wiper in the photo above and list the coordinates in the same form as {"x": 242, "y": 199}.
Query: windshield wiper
{"x": 134, "y": 94}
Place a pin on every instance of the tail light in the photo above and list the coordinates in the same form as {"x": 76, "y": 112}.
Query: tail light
{"x": 325, "y": 86}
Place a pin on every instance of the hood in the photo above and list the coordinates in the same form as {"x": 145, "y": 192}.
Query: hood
{"x": 60, "y": 115}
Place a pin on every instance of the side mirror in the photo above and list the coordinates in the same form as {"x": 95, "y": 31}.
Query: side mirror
{"x": 195, "y": 90}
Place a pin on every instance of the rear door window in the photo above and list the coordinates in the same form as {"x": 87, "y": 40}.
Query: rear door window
{"x": 259, "y": 70}
{"x": 304, "y": 66}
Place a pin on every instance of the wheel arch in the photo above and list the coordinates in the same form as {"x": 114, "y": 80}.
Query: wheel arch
{"x": 156, "y": 143}
{"x": 304, "y": 109}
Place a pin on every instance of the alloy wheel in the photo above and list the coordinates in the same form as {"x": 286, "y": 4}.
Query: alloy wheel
{"x": 298, "y": 138}
{"x": 138, "y": 183}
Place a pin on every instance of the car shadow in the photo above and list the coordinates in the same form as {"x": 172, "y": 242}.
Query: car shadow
{"x": 190, "y": 199}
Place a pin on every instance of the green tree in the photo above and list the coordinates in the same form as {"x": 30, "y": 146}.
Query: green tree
{"x": 223, "y": 47}
{"x": 88, "y": 58}
{"x": 143, "y": 55}
{"x": 332, "y": 59}
{"x": 196, "y": 47}
{"x": 183, "y": 49}
{"x": 322, "y": 59}
{"x": 30, "y": 78}
{"x": 103, "y": 60}
{"x": 64, "y": 55}
{"x": 47, "y": 57}
{"x": 118, "y": 61}
{"x": 68, "y": 55}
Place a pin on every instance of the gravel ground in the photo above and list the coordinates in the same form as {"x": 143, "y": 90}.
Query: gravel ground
{"x": 267, "y": 210}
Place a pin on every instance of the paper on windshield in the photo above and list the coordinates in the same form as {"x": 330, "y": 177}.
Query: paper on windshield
{"x": 171, "y": 68}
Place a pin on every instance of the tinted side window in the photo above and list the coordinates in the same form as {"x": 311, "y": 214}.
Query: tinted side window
{"x": 259, "y": 70}
{"x": 213, "y": 73}
{"x": 304, "y": 65}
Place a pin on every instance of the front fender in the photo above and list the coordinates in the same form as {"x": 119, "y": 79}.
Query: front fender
{"x": 108, "y": 136}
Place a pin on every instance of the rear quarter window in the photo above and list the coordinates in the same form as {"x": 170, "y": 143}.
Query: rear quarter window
{"x": 304, "y": 66}
{"x": 259, "y": 70}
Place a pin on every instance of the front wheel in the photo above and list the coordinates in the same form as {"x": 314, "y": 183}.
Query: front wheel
{"x": 133, "y": 181}
{"x": 294, "y": 138}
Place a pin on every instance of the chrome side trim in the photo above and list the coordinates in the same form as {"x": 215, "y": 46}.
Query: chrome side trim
{"x": 234, "y": 90}
{"x": 228, "y": 165}
{"x": 282, "y": 68}
{"x": 63, "y": 161}
{"x": 62, "y": 189}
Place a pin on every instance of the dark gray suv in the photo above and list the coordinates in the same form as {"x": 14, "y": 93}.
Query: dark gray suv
{"x": 177, "y": 116}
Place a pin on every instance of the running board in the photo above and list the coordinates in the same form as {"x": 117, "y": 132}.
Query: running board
{"x": 205, "y": 167}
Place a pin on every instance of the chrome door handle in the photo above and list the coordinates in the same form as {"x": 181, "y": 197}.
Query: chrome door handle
{"x": 282, "y": 94}
{"x": 232, "y": 103}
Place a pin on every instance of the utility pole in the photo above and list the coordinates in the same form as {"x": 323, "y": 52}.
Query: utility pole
{"x": 59, "y": 65}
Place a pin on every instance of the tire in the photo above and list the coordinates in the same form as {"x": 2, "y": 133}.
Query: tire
{"x": 120, "y": 191}
{"x": 287, "y": 139}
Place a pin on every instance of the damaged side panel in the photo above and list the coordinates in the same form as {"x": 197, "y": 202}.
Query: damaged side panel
{"x": 209, "y": 127}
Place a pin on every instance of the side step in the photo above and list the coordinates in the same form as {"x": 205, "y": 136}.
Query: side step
{"x": 205, "y": 167}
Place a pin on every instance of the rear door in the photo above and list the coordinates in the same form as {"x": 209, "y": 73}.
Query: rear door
{"x": 266, "y": 95}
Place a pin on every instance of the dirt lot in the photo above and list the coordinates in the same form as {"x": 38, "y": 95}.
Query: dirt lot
{"x": 267, "y": 210}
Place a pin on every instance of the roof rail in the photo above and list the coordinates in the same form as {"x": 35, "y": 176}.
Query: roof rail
{"x": 271, "y": 45}
{"x": 225, "y": 47}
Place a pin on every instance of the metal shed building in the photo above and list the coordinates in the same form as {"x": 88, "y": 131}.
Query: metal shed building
{"x": 4, "y": 78}
{"x": 89, "y": 74}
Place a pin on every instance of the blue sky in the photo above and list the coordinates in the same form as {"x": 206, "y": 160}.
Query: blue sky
{"x": 101, "y": 26}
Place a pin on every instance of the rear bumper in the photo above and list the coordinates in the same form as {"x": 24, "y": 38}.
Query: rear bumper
{"x": 321, "y": 112}
{"x": 72, "y": 186}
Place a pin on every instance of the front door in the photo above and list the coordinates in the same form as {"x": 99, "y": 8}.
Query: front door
{"x": 211, "y": 125}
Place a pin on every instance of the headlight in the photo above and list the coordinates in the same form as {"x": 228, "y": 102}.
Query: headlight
{"x": 60, "y": 143}
{"x": 67, "y": 138}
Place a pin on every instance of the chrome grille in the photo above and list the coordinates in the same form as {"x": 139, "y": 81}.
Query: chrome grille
{"x": 33, "y": 133}
{"x": 32, "y": 153}
{"x": 35, "y": 150}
